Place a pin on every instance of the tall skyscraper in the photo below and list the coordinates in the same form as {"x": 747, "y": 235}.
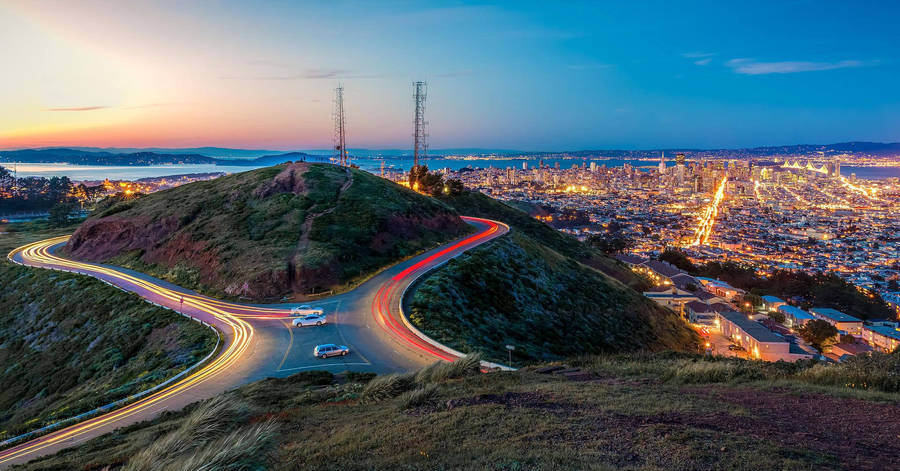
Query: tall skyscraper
{"x": 662, "y": 163}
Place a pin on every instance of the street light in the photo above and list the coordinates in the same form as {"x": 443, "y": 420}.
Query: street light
{"x": 509, "y": 349}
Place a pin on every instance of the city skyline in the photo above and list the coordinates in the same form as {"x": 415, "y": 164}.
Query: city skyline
{"x": 528, "y": 76}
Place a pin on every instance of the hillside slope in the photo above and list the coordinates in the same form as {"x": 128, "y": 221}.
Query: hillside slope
{"x": 517, "y": 291}
{"x": 70, "y": 343}
{"x": 476, "y": 204}
{"x": 638, "y": 412}
{"x": 291, "y": 229}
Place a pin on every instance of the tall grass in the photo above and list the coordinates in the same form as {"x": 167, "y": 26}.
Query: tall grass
{"x": 386, "y": 387}
{"x": 242, "y": 450}
{"x": 206, "y": 424}
{"x": 880, "y": 371}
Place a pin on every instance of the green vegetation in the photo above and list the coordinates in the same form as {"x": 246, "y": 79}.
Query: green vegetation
{"x": 70, "y": 343}
{"x": 478, "y": 205}
{"x": 517, "y": 291}
{"x": 291, "y": 229}
{"x": 804, "y": 289}
{"x": 636, "y": 412}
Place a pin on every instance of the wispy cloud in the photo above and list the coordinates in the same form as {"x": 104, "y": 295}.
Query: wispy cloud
{"x": 590, "y": 66}
{"x": 307, "y": 75}
{"x": 78, "y": 108}
{"x": 699, "y": 58}
{"x": 697, "y": 55}
{"x": 753, "y": 67}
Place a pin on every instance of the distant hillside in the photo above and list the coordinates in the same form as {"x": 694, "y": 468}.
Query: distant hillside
{"x": 93, "y": 157}
{"x": 291, "y": 229}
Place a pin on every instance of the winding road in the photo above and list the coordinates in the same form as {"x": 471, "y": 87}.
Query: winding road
{"x": 258, "y": 340}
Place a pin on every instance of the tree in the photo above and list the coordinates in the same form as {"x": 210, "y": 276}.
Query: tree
{"x": 777, "y": 317}
{"x": 453, "y": 187}
{"x": 677, "y": 258}
{"x": 609, "y": 244}
{"x": 59, "y": 214}
{"x": 755, "y": 300}
{"x": 818, "y": 333}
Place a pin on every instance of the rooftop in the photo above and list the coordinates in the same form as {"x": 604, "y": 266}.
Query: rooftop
{"x": 833, "y": 314}
{"x": 885, "y": 331}
{"x": 752, "y": 328}
{"x": 795, "y": 312}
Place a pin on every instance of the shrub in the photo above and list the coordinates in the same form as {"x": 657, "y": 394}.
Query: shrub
{"x": 205, "y": 424}
{"x": 441, "y": 371}
{"x": 419, "y": 396}
{"x": 387, "y": 387}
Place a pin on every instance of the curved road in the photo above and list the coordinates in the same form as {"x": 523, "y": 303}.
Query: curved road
{"x": 258, "y": 341}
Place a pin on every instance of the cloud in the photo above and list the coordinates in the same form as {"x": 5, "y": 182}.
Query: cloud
{"x": 79, "y": 108}
{"x": 697, "y": 55}
{"x": 753, "y": 67}
{"x": 590, "y": 66}
{"x": 307, "y": 75}
{"x": 703, "y": 61}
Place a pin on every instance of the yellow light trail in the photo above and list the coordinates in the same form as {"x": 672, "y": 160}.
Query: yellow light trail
{"x": 708, "y": 220}
{"x": 868, "y": 193}
{"x": 38, "y": 252}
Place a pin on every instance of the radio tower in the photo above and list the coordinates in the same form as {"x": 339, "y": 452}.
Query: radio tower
{"x": 419, "y": 145}
{"x": 340, "y": 128}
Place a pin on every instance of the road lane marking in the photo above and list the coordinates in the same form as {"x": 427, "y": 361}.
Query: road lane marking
{"x": 324, "y": 365}
{"x": 290, "y": 344}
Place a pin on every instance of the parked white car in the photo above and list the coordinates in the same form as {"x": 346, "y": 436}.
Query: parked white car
{"x": 330, "y": 350}
{"x": 305, "y": 310}
{"x": 310, "y": 319}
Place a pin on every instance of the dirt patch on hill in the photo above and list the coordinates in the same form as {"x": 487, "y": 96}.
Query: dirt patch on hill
{"x": 860, "y": 434}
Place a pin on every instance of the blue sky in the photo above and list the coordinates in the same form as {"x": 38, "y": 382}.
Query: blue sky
{"x": 522, "y": 75}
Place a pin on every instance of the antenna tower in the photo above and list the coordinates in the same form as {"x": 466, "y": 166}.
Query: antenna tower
{"x": 340, "y": 128}
{"x": 419, "y": 135}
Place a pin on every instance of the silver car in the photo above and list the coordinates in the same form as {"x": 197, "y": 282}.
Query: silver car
{"x": 310, "y": 319}
{"x": 330, "y": 350}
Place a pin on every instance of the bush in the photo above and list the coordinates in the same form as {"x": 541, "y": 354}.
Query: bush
{"x": 418, "y": 397}
{"x": 442, "y": 370}
{"x": 387, "y": 387}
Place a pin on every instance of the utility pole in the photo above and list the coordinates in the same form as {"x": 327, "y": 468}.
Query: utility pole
{"x": 419, "y": 135}
{"x": 340, "y": 128}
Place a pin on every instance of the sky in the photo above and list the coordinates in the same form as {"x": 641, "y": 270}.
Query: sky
{"x": 512, "y": 75}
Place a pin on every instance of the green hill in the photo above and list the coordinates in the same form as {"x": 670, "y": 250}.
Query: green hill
{"x": 69, "y": 343}
{"x": 292, "y": 229}
{"x": 476, "y": 204}
{"x": 542, "y": 291}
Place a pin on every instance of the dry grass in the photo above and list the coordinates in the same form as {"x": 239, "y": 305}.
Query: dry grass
{"x": 206, "y": 424}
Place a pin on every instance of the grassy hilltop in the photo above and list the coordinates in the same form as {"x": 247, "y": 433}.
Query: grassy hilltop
{"x": 291, "y": 229}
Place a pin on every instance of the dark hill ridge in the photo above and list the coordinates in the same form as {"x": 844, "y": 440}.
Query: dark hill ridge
{"x": 291, "y": 229}
{"x": 139, "y": 158}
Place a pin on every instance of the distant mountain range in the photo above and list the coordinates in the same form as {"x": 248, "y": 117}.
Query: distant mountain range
{"x": 142, "y": 158}
{"x": 259, "y": 157}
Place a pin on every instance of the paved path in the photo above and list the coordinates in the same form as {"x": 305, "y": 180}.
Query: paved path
{"x": 257, "y": 340}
